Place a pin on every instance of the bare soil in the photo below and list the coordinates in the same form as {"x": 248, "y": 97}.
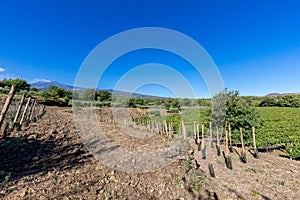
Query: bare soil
{"x": 48, "y": 160}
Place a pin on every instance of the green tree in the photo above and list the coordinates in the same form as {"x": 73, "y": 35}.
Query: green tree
{"x": 103, "y": 96}
{"x": 241, "y": 114}
{"x": 218, "y": 110}
{"x": 228, "y": 106}
{"x": 289, "y": 101}
{"x": 19, "y": 83}
{"x": 268, "y": 102}
{"x": 89, "y": 95}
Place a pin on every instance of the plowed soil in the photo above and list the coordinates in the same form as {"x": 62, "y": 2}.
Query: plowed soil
{"x": 48, "y": 160}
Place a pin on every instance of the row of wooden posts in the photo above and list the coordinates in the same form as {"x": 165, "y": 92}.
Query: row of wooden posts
{"x": 200, "y": 140}
{"x": 153, "y": 126}
{"x": 165, "y": 128}
{"x": 32, "y": 111}
{"x": 201, "y": 145}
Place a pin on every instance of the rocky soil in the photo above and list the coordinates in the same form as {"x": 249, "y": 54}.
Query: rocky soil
{"x": 48, "y": 160}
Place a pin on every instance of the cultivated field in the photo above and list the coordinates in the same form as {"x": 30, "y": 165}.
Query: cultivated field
{"x": 47, "y": 160}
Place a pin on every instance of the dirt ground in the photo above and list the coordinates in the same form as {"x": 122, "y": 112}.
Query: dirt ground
{"x": 49, "y": 161}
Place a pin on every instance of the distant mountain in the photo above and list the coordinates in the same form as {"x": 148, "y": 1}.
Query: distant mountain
{"x": 122, "y": 94}
{"x": 43, "y": 85}
{"x": 278, "y": 94}
{"x": 274, "y": 95}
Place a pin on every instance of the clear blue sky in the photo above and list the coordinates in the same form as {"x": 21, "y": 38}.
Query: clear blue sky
{"x": 255, "y": 44}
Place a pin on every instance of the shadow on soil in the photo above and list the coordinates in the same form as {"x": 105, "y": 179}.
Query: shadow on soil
{"x": 23, "y": 156}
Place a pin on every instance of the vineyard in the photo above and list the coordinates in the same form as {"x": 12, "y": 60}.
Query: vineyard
{"x": 280, "y": 127}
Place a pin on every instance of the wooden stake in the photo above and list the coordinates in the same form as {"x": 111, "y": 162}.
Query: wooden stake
{"x": 242, "y": 140}
{"x": 226, "y": 142}
{"x": 221, "y": 134}
{"x": 218, "y": 143}
{"x": 230, "y": 141}
{"x": 18, "y": 111}
{"x": 32, "y": 111}
{"x": 243, "y": 155}
{"x": 203, "y": 138}
{"x": 227, "y": 157}
{"x": 183, "y": 128}
{"x": 254, "y": 143}
{"x": 210, "y": 133}
{"x": 210, "y": 166}
{"x": 203, "y": 147}
{"x": 7, "y": 103}
{"x": 198, "y": 136}
{"x": 25, "y": 110}
{"x": 195, "y": 133}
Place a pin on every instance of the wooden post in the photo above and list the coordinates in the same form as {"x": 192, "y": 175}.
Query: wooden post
{"x": 221, "y": 134}
{"x": 203, "y": 147}
{"x": 32, "y": 111}
{"x": 25, "y": 110}
{"x": 226, "y": 142}
{"x": 230, "y": 140}
{"x": 7, "y": 103}
{"x": 198, "y": 136}
{"x": 183, "y": 128}
{"x": 171, "y": 129}
{"x": 227, "y": 157}
{"x": 4, "y": 130}
{"x": 18, "y": 111}
{"x": 254, "y": 143}
{"x": 218, "y": 143}
{"x": 166, "y": 127}
{"x": 243, "y": 154}
{"x": 210, "y": 134}
{"x": 195, "y": 133}
{"x": 210, "y": 166}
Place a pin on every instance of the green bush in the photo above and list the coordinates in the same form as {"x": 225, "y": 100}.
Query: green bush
{"x": 293, "y": 150}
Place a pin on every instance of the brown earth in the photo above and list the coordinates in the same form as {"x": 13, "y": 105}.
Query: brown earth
{"x": 49, "y": 161}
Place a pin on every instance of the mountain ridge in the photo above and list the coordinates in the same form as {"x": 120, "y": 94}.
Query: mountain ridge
{"x": 44, "y": 85}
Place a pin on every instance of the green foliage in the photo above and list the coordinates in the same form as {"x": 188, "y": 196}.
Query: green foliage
{"x": 19, "y": 83}
{"x": 89, "y": 95}
{"x": 56, "y": 96}
{"x": 204, "y": 102}
{"x": 103, "y": 96}
{"x": 289, "y": 100}
{"x": 172, "y": 104}
{"x": 228, "y": 106}
{"x": 137, "y": 103}
{"x": 175, "y": 120}
{"x": 6, "y": 179}
{"x": 240, "y": 114}
{"x": 293, "y": 150}
{"x": 218, "y": 109}
{"x": 280, "y": 126}
{"x": 269, "y": 102}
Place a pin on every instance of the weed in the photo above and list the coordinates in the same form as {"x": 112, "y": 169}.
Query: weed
{"x": 280, "y": 182}
{"x": 197, "y": 181}
{"x": 256, "y": 193}
{"x": 6, "y": 179}
{"x": 253, "y": 170}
